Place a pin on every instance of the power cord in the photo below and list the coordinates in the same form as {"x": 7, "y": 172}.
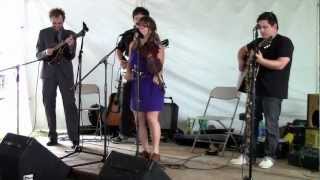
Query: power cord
{"x": 183, "y": 164}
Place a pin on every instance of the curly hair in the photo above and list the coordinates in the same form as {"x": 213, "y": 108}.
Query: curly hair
{"x": 56, "y": 12}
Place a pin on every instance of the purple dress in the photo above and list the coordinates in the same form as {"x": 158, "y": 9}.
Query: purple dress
{"x": 151, "y": 94}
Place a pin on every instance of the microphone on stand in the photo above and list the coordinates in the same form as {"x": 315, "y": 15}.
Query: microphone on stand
{"x": 256, "y": 27}
{"x": 132, "y": 31}
{"x": 255, "y": 31}
{"x": 85, "y": 27}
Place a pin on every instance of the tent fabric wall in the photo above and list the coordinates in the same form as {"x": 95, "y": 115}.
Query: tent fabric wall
{"x": 12, "y": 54}
{"x": 204, "y": 39}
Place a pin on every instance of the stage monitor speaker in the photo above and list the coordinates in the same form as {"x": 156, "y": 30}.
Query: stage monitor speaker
{"x": 23, "y": 158}
{"x": 313, "y": 111}
{"x": 119, "y": 166}
{"x": 169, "y": 118}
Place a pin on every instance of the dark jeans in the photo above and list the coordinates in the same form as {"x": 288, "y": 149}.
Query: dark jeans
{"x": 270, "y": 107}
{"x": 127, "y": 119}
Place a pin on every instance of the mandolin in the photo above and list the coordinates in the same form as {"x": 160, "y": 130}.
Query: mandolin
{"x": 58, "y": 50}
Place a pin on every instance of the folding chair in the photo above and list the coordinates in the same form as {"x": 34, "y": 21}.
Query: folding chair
{"x": 223, "y": 95}
{"x": 91, "y": 90}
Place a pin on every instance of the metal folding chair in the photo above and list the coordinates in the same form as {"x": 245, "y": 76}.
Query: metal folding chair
{"x": 225, "y": 95}
{"x": 92, "y": 90}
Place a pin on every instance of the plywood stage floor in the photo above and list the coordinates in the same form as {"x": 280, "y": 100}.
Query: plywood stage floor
{"x": 178, "y": 162}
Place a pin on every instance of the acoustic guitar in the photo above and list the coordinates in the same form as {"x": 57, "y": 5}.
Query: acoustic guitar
{"x": 113, "y": 112}
{"x": 244, "y": 79}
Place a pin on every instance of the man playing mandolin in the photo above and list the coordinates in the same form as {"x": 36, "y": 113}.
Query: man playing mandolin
{"x": 271, "y": 84}
{"x": 57, "y": 47}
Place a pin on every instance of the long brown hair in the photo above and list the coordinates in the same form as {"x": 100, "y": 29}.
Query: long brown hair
{"x": 151, "y": 47}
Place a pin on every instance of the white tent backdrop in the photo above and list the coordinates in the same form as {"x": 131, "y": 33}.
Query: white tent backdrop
{"x": 204, "y": 39}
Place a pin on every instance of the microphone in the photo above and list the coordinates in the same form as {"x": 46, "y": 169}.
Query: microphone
{"x": 255, "y": 31}
{"x": 85, "y": 27}
{"x": 256, "y": 27}
{"x": 132, "y": 31}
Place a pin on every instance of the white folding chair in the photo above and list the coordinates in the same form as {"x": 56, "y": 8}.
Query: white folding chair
{"x": 228, "y": 95}
{"x": 91, "y": 90}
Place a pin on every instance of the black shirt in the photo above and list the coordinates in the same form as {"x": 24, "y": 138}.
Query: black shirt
{"x": 125, "y": 41}
{"x": 274, "y": 83}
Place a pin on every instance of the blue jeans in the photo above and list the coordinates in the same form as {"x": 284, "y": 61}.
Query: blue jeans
{"x": 270, "y": 107}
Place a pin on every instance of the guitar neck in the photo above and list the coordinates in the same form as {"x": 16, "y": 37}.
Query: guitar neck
{"x": 63, "y": 42}
{"x": 59, "y": 45}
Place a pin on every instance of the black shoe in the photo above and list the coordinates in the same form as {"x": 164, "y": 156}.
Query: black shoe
{"x": 52, "y": 143}
{"x": 75, "y": 146}
{"x": 119, "y": 139}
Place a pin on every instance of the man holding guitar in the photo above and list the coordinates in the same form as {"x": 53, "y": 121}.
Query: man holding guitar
{"x": 122, "y": 52}
{"x": 57, "y": 46}
{"x": 271, "y": 83}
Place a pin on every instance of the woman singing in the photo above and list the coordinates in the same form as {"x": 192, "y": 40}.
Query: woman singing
{"x": 146, "y": 51}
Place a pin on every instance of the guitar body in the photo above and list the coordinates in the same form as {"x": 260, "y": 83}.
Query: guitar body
{"x": 57, "y": 53}
{"x": 245, "y": 77}
{"x": 113, "y": 114}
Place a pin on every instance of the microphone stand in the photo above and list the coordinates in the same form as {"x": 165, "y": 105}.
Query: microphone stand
{"x": 79, "y": 149}
{"x": 104, "y": 60}
{"x": 137, "y": 72}
{"x": 17, "y": 67}
{"x": 252, "y": 94}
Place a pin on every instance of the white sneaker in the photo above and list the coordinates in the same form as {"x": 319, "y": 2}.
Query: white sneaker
{"x": 241, "y": 160}
{"x": 266, "y": 163}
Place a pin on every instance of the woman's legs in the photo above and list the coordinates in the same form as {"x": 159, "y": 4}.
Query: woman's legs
{"x": 142, "y": 130}
{"x": 154, "y": 125}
